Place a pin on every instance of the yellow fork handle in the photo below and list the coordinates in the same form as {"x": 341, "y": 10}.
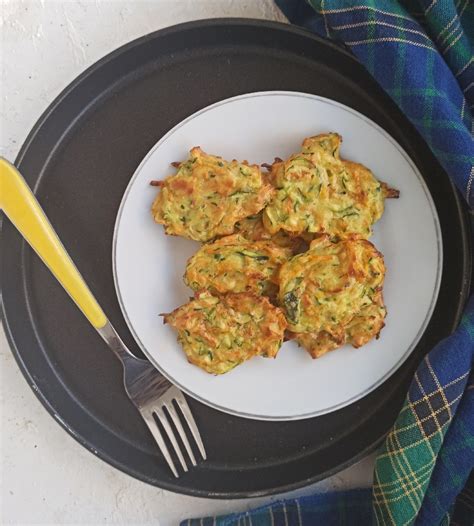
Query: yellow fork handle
{"x": 24, "y": 211}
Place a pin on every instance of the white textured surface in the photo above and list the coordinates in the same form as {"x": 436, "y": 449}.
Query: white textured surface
{"x": 45, "y": 476}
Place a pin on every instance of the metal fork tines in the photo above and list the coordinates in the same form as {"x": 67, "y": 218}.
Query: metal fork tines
{"x": 158, "y": 401}
{"x": 165, "y": 411}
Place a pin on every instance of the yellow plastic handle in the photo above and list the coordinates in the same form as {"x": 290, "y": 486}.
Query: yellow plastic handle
{"x": 24, "y": 211}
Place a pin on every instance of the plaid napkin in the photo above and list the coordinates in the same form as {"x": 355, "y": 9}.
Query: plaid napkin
{"x": 421, "y": 52}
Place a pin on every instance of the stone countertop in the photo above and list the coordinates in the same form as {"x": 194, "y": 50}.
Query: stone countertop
{"x": 46, "y": 477}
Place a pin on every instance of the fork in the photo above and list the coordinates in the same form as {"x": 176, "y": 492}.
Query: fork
{"x": 157, "y": 400}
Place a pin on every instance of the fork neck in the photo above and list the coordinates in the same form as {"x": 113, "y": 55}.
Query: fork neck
{"x": 114, "y": 342}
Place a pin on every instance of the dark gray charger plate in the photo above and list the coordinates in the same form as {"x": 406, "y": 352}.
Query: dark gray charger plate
{"x": 79, "y": 159}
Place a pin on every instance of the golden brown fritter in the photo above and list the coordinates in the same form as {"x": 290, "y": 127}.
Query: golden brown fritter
{"x": 208, "y": 195}
{"x": 332, "y": 294}
{"x": 317, "y": 192}
{"x": 234, "y": 264}
{"x": 253, "y": 229}
{"x": 365, "y": 326}
{"x": 219, "y": 333}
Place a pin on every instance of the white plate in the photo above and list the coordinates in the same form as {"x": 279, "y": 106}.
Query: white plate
{"x": 148, "y": 265}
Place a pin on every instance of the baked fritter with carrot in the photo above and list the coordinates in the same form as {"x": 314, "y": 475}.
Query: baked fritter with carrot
{"x": 332, "y": 294}
{"x": 318, "y": 192}
{"x": 253, "y": 229}
{"x": 208, "y": 195}
{"x": 234, "y": 264}
{"x": 218, "y": 333}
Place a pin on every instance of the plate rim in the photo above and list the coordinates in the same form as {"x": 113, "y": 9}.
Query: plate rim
{"x": 410, "y": 348}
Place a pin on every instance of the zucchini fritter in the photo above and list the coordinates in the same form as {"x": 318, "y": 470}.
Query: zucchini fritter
{"x": 208, "y": 195}
{"x": 365, "y": 325}
{"x": 253, "y": 229}
{"x": 219, "y": 333}
{"x": 317, "y": 192}
{"x": 332, "y": 294}
{"x": 234, "y": 264}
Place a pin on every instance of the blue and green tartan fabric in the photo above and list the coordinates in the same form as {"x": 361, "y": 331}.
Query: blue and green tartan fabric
{"x": 325, "y": 509}
{"x": 421, "y": 53}
{"x": 428, "y": 455}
